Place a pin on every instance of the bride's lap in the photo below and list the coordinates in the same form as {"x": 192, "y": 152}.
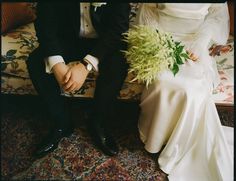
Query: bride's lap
{"x": 185, "y": 83}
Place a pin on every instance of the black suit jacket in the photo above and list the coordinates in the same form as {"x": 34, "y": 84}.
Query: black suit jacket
{"x": 58, "y": 24}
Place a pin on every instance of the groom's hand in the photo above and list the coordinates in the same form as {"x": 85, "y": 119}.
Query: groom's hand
{"x": 75, "y": 77}
{"x": 59, "y": 70}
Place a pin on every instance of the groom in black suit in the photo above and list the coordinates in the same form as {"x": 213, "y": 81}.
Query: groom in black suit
{"x": 90, "y": 33}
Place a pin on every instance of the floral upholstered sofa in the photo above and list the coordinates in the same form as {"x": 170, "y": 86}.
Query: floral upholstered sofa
{"x": 18, "y": 43}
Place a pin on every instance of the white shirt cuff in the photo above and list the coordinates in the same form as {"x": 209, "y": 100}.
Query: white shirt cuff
{"x": 51, "y": 61}
{"x": 93, "y": 61}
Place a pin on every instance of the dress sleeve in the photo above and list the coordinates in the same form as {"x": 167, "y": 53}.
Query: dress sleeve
{"x": 214, "y": 29}
{"x": 216, "y": 25}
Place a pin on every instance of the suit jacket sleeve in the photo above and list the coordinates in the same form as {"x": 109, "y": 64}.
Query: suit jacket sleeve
{"x": 116, "y": 22}
{"x": 47, "y": 28}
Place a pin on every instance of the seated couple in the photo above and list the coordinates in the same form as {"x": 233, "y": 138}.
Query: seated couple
{"x": 178, "y": 116}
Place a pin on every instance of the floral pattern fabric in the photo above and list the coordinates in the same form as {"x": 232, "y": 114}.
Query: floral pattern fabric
{"x": 16, "y": 47}
{"x": 224, "y": 56}
{"x": 19, "y": 43}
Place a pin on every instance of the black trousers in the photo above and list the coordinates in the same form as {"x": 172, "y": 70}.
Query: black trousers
{"x": 112, "y": 72}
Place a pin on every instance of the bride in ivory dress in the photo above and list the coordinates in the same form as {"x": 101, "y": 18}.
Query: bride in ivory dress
{"x": 178, "y": 116}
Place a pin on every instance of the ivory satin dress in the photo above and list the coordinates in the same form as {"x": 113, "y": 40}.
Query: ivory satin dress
{"x": 178, "y": 113}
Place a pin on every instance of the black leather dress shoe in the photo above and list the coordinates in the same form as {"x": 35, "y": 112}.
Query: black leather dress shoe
{"x": 103, "y": 139}
{"x": 51, "y": 142}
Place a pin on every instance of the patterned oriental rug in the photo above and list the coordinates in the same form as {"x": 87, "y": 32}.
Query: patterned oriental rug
{"x": 23, "y": 125}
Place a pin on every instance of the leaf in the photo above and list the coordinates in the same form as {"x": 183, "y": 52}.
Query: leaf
{"x": 179, "y": 60}
{"x": 177, "y": 44}
{"x": 175, "y": 69}
{"x": 184, "y": 55}
{"x": 24, "y": 57}
{"x": 3, "y": 66}
{"x": 10, "y": 53}
{"x": 180, "y": 49}
{"x": 10, "y": 58}
{"x": 228, "y": 67}
{"x": 222, "y": 61}
{"x": 3, "y": 58}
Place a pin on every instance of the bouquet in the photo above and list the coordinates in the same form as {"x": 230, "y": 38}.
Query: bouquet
{"x": 151, "y": 51}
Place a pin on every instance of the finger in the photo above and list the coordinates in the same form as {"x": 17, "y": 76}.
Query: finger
{"x": 191, "y": 55}
{"x": 67, "y": 76}
{"x": 68, "y": 84}
{"x": 72, "y": 87}
{"x": 78, "y": 86}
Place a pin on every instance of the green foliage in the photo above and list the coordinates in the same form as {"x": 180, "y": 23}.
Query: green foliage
{"x": 150, "y": 52}
{"x": 11, "y": 52}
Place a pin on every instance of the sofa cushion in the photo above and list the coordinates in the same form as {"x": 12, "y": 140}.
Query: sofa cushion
{"x": 224, "y": 56}
{"x": 223, "y": 94}
{"x": 19, "y": 43}
{"x": 17, "y": 85}
{"x": 24, "y": 86}
{"x": 16, "y": 47}
{"x": 16, "y": 14}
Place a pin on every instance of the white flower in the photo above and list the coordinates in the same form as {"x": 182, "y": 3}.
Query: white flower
{"x": 150, "y": 52}
{"x": 98, "y": 5}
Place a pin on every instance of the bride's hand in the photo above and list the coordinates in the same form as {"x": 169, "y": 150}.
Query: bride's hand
{"x": 192, "y": 56}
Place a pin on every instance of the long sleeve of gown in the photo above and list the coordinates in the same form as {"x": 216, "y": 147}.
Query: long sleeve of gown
{"x": 215, "y": 27}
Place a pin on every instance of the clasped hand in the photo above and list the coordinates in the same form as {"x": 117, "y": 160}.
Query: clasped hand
{"x": 70, "y": 78}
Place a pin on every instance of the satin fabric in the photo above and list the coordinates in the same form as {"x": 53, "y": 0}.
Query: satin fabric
{"x": 178, "y": 115}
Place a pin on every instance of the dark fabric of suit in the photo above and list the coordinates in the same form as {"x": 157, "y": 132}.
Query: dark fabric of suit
{"x": 57, "y": 28}
{"x": 59, "y": 24}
